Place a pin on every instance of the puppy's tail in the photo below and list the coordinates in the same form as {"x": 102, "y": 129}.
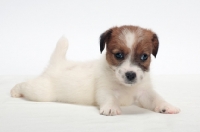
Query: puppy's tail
{"x": 59, "y": 53}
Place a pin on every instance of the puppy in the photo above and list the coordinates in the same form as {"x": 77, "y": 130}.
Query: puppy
{"x": 119, "y": 78}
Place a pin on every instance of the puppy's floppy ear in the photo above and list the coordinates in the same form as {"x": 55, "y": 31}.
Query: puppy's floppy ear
{"x": 155, "y": 45}
{"x": 104, "y": 38}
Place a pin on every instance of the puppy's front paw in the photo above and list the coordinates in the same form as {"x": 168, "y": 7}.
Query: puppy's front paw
{"x": 167, "y": 109}
{"x": 110, "y": 110}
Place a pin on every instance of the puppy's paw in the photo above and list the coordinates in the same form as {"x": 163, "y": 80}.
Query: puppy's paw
{"x": 167, "y": 109}
{"x": 15, "y": 92}
{"x": 110, "y": 110}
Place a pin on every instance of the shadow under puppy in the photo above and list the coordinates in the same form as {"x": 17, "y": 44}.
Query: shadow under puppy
{"x": 119, "y": 77}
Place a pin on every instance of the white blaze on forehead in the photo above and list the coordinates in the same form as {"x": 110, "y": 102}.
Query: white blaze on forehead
{"x": 128, "y": 36}
{"x": 130, "y": 39}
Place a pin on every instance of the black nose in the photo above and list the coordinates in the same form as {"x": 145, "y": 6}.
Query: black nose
{"x": 130, "y": 75}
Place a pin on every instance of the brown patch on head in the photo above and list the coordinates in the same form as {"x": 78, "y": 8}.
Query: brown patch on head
{"x": 142, "y": 48}
{"x": 114, "y": 45}
{"x": 145, "y": 42}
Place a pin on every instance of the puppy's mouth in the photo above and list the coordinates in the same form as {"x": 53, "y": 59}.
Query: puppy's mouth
{"x": 130, "y": 82}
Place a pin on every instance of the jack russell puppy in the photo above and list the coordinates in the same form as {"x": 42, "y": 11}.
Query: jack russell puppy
{"x": 119, "y": 78}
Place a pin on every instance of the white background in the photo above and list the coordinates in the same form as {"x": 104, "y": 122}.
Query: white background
{"x": 29, "y": 30}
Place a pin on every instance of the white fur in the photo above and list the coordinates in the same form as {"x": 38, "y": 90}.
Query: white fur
{"x": 89, "y": 83}
{"x": 127, "y": 66}
{"x": 129, "y": 37}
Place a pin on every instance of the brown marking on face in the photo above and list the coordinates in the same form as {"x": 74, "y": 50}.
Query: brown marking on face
{"x": 115, "y": 45}
{"x": 140, "y": 49}
{"x": 146, "y": 42}
{"x": 144, "y": 45}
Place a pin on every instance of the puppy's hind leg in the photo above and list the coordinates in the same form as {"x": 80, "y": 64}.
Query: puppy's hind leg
{"x": 16, "y": 91}
{"x": 39, "y": 89}
{"x": 59, "y": 53}
{"x": 58, "y": 60}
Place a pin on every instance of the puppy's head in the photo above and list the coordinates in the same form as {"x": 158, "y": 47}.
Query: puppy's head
{"x": 129, "y": 50}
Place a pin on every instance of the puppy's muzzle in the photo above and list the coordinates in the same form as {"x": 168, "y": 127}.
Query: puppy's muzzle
{"x": 130, "y": 76}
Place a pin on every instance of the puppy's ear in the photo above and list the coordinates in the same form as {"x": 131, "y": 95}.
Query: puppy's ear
{"x": 104, "y": 39}
{"x": 155, "y": 45}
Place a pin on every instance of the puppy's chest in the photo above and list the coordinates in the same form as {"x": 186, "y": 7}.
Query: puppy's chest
{"x": 125, "y": 96}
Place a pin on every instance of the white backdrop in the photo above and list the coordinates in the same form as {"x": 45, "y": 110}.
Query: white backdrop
{"x": 30, "y": 29}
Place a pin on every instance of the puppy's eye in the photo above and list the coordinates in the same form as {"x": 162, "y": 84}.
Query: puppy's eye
{"x": 119, "y": 56}
{"x": 144, "y": 57}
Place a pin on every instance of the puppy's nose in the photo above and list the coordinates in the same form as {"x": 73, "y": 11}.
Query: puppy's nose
{"x": 130, "y": 75}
